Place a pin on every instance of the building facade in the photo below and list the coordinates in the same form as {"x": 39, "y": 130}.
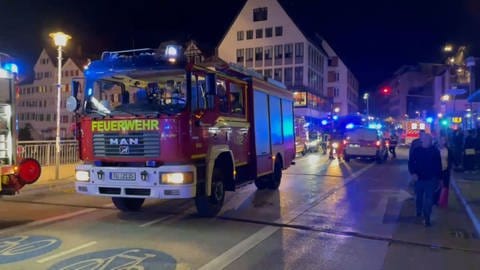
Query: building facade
{"x": 37, "y": 99}
{"x": 342, "y": 85}
{"x": 263, "y": 37}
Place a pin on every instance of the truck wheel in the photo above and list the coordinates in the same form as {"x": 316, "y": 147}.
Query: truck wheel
{"x": 128, "y": 204}
{"x": 261, "y": 183}
{"x": 209, "y": 206}
{"x": 276, "y": 177}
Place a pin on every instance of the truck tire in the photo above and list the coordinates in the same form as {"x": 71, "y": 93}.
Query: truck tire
{"x": 128, "y": 204}
{"x": 261, "y": 183}
{"x": 276, "y": 176}
{"x": 209, "y": 206}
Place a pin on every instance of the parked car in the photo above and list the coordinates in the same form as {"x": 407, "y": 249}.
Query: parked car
{"x": 365, "y": 143}
{"x": 313, "y": 141}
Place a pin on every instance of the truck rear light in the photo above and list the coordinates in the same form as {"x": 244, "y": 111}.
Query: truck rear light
{"x": 177, "y": 178}
{"x": 29, "y": 171}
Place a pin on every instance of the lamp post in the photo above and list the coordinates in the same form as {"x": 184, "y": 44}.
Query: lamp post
{"x": 60, "y": 39}
{"x": 365, "y": 97}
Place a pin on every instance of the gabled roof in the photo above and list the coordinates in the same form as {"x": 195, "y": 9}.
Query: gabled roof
{"x": 298, "y": 20}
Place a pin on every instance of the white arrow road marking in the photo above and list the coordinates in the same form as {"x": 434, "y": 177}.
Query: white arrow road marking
{"x": 66, "y": 252}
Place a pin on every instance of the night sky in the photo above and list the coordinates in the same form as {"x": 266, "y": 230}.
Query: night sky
{"x": 374, "y": 37}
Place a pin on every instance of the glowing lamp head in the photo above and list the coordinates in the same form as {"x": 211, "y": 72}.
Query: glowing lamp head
{"x": 429, "y": 120}
{"x": 60, "y": 39}
{"x": 324, "y": 122}
{"x": 13, "y": 68}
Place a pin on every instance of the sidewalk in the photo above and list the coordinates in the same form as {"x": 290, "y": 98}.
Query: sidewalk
{"x": 467, "y": 188}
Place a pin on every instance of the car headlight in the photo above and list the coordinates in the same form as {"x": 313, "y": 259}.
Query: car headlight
{"x": 83, "y": 176}
{"x": 177, "y": 178}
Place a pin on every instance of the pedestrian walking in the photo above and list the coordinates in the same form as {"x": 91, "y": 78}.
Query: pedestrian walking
{"x": 458, "y": 140}
{"x": 446, "y": 156}
{"x": 415, "y": 144}
{"x": 426, "y": 167}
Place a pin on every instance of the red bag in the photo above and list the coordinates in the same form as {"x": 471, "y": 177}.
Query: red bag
{"x": 443, "y": 200}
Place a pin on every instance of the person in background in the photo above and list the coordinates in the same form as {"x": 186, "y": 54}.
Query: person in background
{"x": 458, "y": 147}
{"x": 393, "y": 144}
{"x": 415, "y": 144}
{"x": 469, "y": 152}
{"x": 426, "y": 168}
{"x": 446, "y": 156}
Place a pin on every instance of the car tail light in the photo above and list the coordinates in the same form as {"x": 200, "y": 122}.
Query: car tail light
{"x": 378, "y": 143}
{"x": 345, "y": 142}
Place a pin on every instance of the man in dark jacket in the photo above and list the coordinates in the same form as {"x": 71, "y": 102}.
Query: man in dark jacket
{"x": 426, "y": 167}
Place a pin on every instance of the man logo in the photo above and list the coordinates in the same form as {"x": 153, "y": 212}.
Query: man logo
{"x": 124, "y": 141}
{"x": 124, "y": 150}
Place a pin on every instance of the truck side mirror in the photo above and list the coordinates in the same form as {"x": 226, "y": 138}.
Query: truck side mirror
{"x": 73, "y": 104}
{"x": 211, "y": 85}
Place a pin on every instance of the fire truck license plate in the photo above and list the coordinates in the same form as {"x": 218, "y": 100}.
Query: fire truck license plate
{"x": 128, "y": 176}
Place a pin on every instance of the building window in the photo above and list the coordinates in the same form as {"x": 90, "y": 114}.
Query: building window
{"x": 260, "y": 14}
{"x": 76, "y": 72}
{"x": 259, "y": 33}
{"x": 278, "y": 50}
{"x": 268, "y": 73}
{"x": 240, "y": 56}
{"x": 298, "y": 75}
{"x": 250, "y": 34}
{"x": 278, "y": 31}
{"x": 268, "y": 32}
{"x": 288, "y": 50}
{"x": 249, "y": 54}
{"x": 240, "y": 35}
{"x": 299, "y": 52}
{"x": 258, "y": 56}
{"x": 277, "y": 74}
{"x": 288, "y": 77}
{"x": 268, "y": 55}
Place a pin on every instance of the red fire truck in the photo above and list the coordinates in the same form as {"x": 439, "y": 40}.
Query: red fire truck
{"x": 14, "y": 173}
{"x": 153, "y": 126}
{"x": 412, "y": 129}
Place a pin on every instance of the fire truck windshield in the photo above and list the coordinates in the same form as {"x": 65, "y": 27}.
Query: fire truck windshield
{"x": 138, "y": 94}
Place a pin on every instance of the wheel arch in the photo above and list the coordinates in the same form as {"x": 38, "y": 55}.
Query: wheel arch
{"x": 220, "y": 156}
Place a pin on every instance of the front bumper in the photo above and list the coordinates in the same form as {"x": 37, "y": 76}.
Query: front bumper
{"x": 145, "y": 184}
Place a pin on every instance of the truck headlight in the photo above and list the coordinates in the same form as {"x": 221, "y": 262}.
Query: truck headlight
{"x": 83, "y": 176}
{"x": 177, "y": 178}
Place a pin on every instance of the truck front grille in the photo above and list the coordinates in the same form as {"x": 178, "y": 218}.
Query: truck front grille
{"x": 140, "y": 144}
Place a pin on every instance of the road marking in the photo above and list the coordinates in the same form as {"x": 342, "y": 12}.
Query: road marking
{"x": 235, "y": 252}
{"x": 51, "y": 219}
{"x": 155, "y": 221}
{"x": 66, "y": 252}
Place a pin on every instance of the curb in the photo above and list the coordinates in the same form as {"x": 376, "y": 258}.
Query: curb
{"x": 471, "y": 214}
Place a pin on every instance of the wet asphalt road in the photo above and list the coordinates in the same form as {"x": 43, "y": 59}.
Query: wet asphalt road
{"x": 326, "y": 215}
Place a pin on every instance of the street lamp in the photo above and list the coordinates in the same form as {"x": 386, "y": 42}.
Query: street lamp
{"x": 365, "y": 97}
{"x": 60, "y": 39}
